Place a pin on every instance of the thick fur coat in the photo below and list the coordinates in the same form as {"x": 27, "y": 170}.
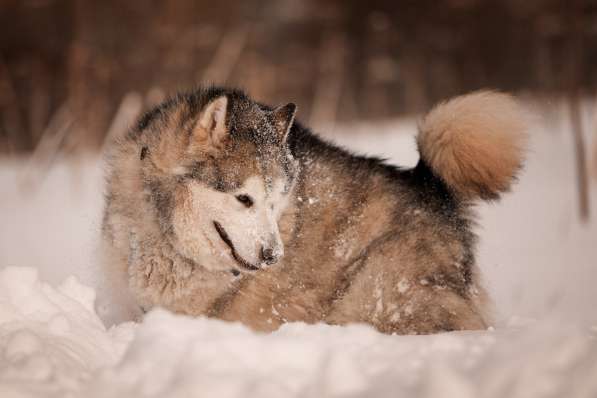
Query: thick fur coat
{"x": 223, "y": 207}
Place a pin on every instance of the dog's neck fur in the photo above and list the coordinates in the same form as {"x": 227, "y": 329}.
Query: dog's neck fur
{"x": 159, "y": 274}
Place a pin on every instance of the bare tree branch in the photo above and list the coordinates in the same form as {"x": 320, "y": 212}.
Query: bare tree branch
{"x": 580, "y": 156}
{"x": 329, "y": 83}
{"x": 46, "y": 151}
{"x": 129, "y": 109}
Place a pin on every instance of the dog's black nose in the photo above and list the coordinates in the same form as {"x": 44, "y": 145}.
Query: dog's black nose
{"x": 268, "y": 257}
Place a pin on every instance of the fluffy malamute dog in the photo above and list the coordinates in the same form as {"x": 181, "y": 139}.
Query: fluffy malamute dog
{"x": 219, "y": 206}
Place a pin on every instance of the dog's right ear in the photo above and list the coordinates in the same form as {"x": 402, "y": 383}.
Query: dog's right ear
{"x": 210, "y": 133}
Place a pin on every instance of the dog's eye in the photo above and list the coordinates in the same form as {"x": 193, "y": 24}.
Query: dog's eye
{"x": 245, "y": 200}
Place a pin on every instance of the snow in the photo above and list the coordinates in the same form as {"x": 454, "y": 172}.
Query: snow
{"x": 538, "y": 261}
{"x": 53, "y": 344}
{"x": 50, "y": 338}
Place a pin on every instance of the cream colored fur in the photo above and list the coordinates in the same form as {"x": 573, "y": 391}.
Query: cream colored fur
{"x": 475, "y": 143}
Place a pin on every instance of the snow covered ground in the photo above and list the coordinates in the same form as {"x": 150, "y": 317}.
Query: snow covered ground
{"x": 539, "y": 263}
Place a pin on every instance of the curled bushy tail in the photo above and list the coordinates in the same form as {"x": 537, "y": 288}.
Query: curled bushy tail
{"x": 475, "y": 143}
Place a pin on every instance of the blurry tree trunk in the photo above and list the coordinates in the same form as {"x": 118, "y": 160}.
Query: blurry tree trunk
{"x": 328, "y": 87}
{"x": 39, "y": 103}
{"x": 17, "y": 138}
{"x": 49, "y": 146}
{"x": 576, "y": 32}
{"x": 595, "y": 152}
{"x": 580, "y": 155}
{"x": 226, "y": 57}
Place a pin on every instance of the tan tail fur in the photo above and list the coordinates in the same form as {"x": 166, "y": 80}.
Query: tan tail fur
{"x": 475, "y": 143}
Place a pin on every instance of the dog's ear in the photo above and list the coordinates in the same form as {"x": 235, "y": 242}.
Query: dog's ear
{"x": 210, "y": 133}
{"x": 283, "y": 117}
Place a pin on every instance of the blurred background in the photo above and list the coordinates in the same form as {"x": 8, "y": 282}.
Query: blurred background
{"x": 69, "y": 66}
{"x": 73, "y": 73}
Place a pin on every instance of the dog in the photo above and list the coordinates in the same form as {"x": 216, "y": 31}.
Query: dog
{"x": 220, "y": 206}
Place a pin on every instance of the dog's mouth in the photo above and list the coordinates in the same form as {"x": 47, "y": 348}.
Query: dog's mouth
{"x": 241, "y": 261}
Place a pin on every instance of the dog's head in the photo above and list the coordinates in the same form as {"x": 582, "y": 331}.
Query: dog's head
{"x": 218, "y": 171}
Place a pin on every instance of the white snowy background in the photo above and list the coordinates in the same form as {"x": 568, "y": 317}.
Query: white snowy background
{"x": 539, "y": 264}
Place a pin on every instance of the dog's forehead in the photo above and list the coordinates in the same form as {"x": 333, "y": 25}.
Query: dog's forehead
{"x": 254, "y": 149}
{"x": 273, "y": 167}
{"x": 249, "y": 115}
{"x": 249, "y": 159}
{"x": 253, "y": 121}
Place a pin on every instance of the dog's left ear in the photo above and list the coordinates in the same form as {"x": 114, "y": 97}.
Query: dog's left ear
{"x": 210, "y": 132}
{"x": 283, "y": 118}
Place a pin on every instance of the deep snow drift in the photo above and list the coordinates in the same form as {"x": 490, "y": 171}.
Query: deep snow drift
{"x": 538, "y": 262}
{"x": 52, "y": 344}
